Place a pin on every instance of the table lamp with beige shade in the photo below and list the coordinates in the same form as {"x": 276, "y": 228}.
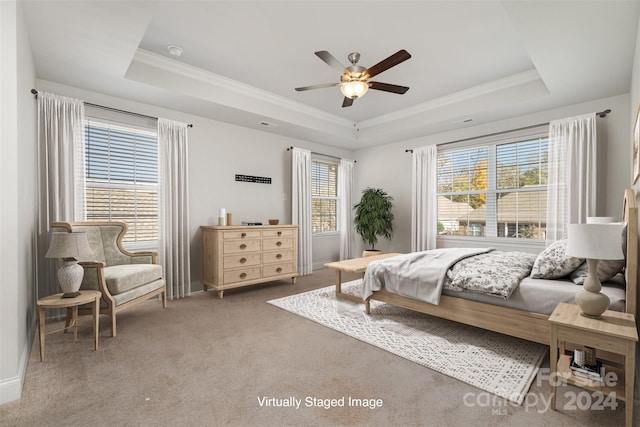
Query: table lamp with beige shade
{"x": 69, "y": 247}
{"x": 594, "y": 242}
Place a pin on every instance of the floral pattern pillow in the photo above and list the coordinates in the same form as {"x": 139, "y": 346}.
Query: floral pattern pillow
{"x": 553, "y": 263}
{"x": 494, "y": 273}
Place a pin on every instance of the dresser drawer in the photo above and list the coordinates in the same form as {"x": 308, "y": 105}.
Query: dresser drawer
{"x": 241, "y": 275}
{"x": 277, "y": 269}
{"x": 238, "y": 256}
{"x": 273, "y": 244}
{"x": 240, "y": 246}
{"x": 277, "y": 256}
{"x": 239, "y": 235}
{"x": 241, "y": 260}
{"x": 286, "y": 232}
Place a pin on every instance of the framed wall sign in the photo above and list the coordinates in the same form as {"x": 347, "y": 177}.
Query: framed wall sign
{"x": 251, "y": 178}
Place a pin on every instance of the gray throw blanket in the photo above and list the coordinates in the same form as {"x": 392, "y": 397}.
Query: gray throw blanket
{"x": 418, "y": 275}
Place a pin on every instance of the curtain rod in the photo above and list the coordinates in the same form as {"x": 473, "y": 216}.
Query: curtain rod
{"x": 320, "y": 154}
{"x": 131, "y": 113}
{"x": 599, "y": 114}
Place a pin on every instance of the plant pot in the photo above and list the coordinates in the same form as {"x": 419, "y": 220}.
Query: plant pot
{"x": 371, "y": 252}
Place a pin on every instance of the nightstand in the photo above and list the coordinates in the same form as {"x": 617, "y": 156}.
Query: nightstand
{"x": 56, "y": 301}
{"x": 613, "y": 332}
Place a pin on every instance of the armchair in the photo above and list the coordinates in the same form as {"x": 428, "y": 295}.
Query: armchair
{"x": 124, "y": 278}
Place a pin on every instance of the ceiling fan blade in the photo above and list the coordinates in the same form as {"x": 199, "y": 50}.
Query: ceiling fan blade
{"x": 385, "y": 64}
{"x": 388, "y": 87}
{"x": 330, "y": 60}
{"x": 348, "y": 102}
{"x": 320, "y": 86}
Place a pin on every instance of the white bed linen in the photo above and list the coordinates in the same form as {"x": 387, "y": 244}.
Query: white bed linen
{"x": 418, "y": 275}
{"x": 542, "y": 295}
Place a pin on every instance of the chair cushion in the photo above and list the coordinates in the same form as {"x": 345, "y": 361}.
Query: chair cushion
{"x": 122, "y": 278}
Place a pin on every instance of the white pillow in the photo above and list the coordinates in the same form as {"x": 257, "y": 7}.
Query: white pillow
{"x": 553, "y": 263}
{"x": 607, "y": 269}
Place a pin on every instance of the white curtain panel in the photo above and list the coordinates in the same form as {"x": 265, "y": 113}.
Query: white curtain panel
{"x": 345, "y": 194}
{"x": 174, "y": 253}
{"x": 571, "y": 191}
{"x": 424, "y": 205}
{"x": 60, "y": 173}
{"x": 301, "y": 207}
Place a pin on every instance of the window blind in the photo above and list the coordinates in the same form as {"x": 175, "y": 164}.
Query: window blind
{"x": 121, "y": 178}
{"x": 494, "y": 188}
{"x": 324, "y": 196}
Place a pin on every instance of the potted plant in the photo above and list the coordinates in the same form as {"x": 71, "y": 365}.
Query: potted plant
{"x": 373, "y": 217}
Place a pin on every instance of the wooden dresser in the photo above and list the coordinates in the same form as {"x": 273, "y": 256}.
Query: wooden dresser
{"x": 235, "y": 256}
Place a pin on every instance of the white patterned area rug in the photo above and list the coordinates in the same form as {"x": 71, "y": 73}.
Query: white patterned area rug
{"x": 493, "y": 362}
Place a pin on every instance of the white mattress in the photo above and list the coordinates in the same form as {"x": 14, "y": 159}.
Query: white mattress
{"x": 542, "y": 295}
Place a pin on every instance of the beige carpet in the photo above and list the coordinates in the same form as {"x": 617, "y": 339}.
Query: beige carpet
{"x": 207, "y": 362}
{"x": 497, "y": 363}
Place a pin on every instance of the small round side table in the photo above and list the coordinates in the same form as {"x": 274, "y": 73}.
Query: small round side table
{"x": 56, "y": 301}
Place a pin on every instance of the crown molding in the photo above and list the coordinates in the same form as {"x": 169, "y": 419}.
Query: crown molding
{"x": 465, "y": 95}
{"x": 241, "y": 89}
{"x": 239, "y": 95}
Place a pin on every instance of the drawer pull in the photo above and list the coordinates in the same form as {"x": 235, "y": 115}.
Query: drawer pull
{"x": 243, "y": 246}
{"x": 279, "y": 256}
{"x": 279, "y": 244}
{"x": 243, "y": 235}
{"x": 279, "y": 233}
{"x": 278, "y": 270}
{"x": 243, "y": 275}
{"x": 243, "y": 260}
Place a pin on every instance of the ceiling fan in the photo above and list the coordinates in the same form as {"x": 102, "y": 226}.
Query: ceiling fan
{"x": 354, "y": 81}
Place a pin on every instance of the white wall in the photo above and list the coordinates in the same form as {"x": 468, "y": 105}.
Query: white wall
{"x": 634, "y": 105}
{"x": 18, "y": 207}
{"x": 389, "y": 166}
{"x": 217, "y": 152}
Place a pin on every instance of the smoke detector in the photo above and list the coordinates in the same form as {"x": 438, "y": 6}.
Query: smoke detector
{"x": 175, "y": 50}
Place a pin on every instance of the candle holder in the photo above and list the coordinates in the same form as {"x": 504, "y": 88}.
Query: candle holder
{"x": 222, "y": 217}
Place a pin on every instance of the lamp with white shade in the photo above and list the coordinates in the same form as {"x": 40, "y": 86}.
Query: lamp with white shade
{"x": 69, "y": 247}
{"x": 594, "y": 242}
{"x": 601, "y": 219}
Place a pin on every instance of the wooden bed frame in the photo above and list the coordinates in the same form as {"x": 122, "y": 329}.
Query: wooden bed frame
{"x": 518, "y": 323}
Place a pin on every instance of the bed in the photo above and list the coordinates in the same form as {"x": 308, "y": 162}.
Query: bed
{"x": 512, "y": 315}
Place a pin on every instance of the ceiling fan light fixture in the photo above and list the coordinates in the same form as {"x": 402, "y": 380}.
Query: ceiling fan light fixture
{"x": 354, "y": 89}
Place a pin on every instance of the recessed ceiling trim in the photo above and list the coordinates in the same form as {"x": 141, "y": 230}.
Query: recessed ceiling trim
{"x": 170, "y": 65}
{"x": 465, "y": 95}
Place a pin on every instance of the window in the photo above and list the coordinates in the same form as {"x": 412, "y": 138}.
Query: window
{"x": 324, "y": 196}
{"x": 494, "y": 189}
{"x": 121, "y": 179}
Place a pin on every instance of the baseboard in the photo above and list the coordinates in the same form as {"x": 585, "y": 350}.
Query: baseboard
{"x": 319, "y": 265}
{"x": 11, "y": 388}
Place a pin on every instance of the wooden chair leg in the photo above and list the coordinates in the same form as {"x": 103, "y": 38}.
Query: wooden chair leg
{"x": 164, "y": 299}
{"x": 112, "y": 316}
